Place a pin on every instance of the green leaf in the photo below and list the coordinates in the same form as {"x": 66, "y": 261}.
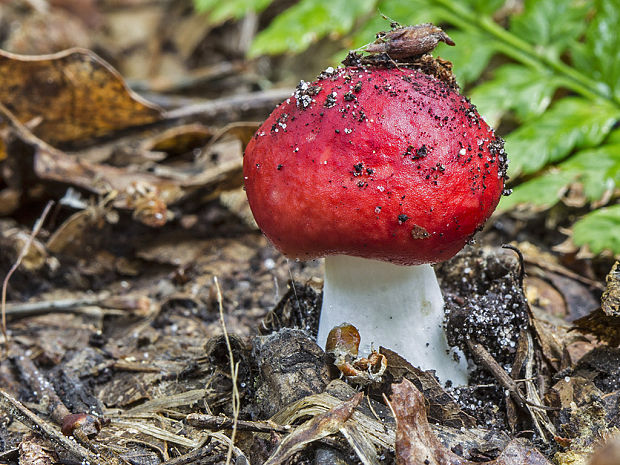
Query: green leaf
{"x": 297, "y": 28}
{"x": 597, "y": 169}
{"x": 600, "y": 230}
{"x": 485, "y": 6}
{"x": 526, "y": 91}
{"x": 599, "y": 57}
{"x": 552, "y": 25}
{"x": 231, "y": 9}
{"x": 572, "y": 123}
{"x": 614, "y": 137}
{"x": 470, "y": 56}
{"x": 543, "y": 191}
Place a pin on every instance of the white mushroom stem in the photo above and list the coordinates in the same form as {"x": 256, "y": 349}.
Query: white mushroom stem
{"x": 398, "y": 307}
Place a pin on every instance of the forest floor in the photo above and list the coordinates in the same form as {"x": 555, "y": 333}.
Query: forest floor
{"x": 148, "y": 318}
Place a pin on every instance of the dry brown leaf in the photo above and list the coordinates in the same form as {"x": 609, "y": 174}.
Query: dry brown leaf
{"x": 241, "y": 130}
{"x": 38, "y": 32}
{"x": 608, "y": 453}
{"x": 610, "y": 301}
{"x": 74, "y": 95}
{"x": 604, "y": 322}
{"x": 416, "y": 443}
{"x": 86, "y": 10}
{"x": 542, "y": 294}
{"x": 55, "y": 165}
{"x": 553, "y": 334}
{"x": 319, "y": 427}
{"x": 71, "y": 232}
{"x": 442, "y": 407}
{"x": 33, "y": 450}
{"x": 575, "y": 390}
{"x": 179, "y": 140}
{"x": 17, "y": 239}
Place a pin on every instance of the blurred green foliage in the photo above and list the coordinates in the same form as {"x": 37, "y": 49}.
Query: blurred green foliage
{"x": 550, "y": 71}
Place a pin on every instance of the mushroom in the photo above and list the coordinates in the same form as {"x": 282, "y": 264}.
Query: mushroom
{"x": 383, "y": 171}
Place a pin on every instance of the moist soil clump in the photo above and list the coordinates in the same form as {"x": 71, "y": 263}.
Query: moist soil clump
{"x": 485, "y": 304}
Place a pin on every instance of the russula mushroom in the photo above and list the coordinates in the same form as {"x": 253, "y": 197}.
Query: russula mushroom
{"x": 384, "y": 171}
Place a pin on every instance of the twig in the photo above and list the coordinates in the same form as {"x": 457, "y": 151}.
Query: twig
{"x": 217, "y": 422}
{"x": 238, "y": 103}
{"x": 35, "y": 230}
{"x": 41, "y": 388}
{"x": 487, "y": 360}
{"x": 34, "y": 423}
{"x": 539, "y": 417}
{"x": 60, "y": 305}
{"x": 521, "y": 264}
{"x": 234, "y": 371}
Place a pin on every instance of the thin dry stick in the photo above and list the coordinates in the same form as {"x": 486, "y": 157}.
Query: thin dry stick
{"x": 234, "y": 371}
{"x": 35, "y": 230}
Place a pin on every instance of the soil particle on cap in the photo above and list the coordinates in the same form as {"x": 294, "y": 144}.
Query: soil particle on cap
{"x": 418, "y": 232}
{"x": 421, "y": 152}
{"x": 330, "y": 100}
{"x": 304, "y": 93}
{"x": 498, "y": 154}
{"x": 402, "y": 218}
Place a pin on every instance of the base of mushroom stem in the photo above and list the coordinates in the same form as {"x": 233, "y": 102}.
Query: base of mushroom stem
{"x": 398, "y": 307}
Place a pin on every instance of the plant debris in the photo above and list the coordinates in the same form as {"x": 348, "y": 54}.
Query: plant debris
{"x": 147, "y": 317}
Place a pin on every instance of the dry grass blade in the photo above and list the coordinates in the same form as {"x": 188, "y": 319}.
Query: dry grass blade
{"x": 156, "y": 432}
{"x": 360, "y": 443}
{"x": 234, "y": 371}
{"x": 218, "y": 422}
{"x": 157, "y": 405}
{"x": 35, "y": 230}
{"x": 378, "y": 433}
{"x": 223, "y": 439}
{"x": 317, "y": 428}
{"x": 539, "y": 417}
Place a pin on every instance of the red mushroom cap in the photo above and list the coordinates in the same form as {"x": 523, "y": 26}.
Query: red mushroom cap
{"x": 388, "y": 164}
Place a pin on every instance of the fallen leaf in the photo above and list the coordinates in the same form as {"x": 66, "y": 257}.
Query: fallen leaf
{"x": 610, "y": 301}
{"x": 317, "y": 428}
{"x": 33, "y": 449}
{"x": 417, "y": 444}
{"x": 574, "y": 390}
{"x": 75, "y": 94}
{"x": 179, "y": 140}
{"x": 604, "y": 322}
{"x": 608, "y": 453}
{"x": 442, "y": 407}
{"x": 42, "y": 32}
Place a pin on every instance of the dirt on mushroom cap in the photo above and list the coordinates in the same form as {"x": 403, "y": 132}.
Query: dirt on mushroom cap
{"x": 390, "y": 164}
